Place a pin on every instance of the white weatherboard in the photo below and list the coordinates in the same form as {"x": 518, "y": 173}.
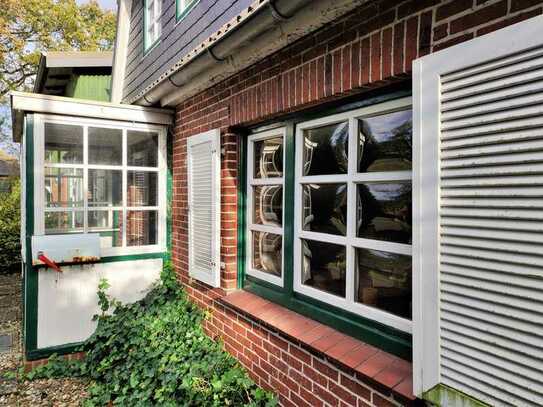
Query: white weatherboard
{"x": 67, "y": 301}
{"x": 478, "y": 217}
{"x": 204, "y": 201}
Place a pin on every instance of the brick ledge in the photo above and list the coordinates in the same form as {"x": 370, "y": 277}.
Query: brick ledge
{"x": 386, "y": 370}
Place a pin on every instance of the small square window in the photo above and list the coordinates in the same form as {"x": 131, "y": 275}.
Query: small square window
{"x": 141, "y": 228}
{"x": 142, "y": 188}
{"x": 109, "y": 224}
{"x": 142, "y": 149}
{"x": 267, "y": 253}
{"x": 325, "y": 150}
{"x": 63, "y": 144}
{"x": 105, "y": 146}
{"x": 63, "y": 187}
{"x": 105, "y": 188}
{"x": 64, "y": 222}
{"x": 268, "y": 205}
{"x": 324, "y": 266}
{"x": 268, "y": 158}
{"x": 325, "y": 208}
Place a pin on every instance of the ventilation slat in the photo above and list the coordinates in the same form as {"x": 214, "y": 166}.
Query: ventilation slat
{"x": 495, "y": 265}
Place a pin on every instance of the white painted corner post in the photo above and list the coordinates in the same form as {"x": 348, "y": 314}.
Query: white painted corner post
{"x": 477, "y": 176}
{"x": 204, "y": 206}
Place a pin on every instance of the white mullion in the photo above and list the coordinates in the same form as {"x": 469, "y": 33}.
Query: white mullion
{"x": 324, "y": 179}
{"x": 350, "y": 261}
{"x": 124, "y": 186}
{"x": 323, "y": 237}
{"x": 146, "y": 169}
{"x": 143, "y": 208}
{"x": 266, "y": 229}
{"x": 61, "y": 165}
{"x": 389, "y": 176}
{"x": 266, "y": 181}
{"x": 381, "y": 245}
{"x": 104, "y": 167}
{"x": 85, "y": 178}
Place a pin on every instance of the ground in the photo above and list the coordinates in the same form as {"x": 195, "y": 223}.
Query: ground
{"x": 50, "y": 392}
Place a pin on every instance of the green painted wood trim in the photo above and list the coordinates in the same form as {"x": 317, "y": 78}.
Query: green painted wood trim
{"x": 31, "y": 274}
{"x": 242, "y": 207}
{"x": 180, "y": 15}
{"x": 377, "y": 334}
{"x": 130, "y": 257}
{"x": 442, "y": 395}
{"x": 169, "y": 191}
{"x": 44, "y": 353}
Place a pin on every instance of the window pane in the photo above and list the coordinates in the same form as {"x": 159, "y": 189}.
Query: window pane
{"x": 325, "y": 208}
{"x": 323, "y": 266}
{"x": 384, "y": 281}
{"x": 267, "y": 253}
{"x": 142, "y": 188}
{"x": 384, "y": 212}
{"x": 268, "y": 158}
{"x": 105, "y": 188}
{"x": 63, "y": 143}
{"x": 268, "y": 205}
{"x": 63, "y": 187}
{"x": 105, "y": 146}
{"x": 63, "y": 222}
{"x": 325, "y": 150}
{"x": 141, "y": 228}
{"x": 109, "y": 225}
{"x": 142, "y": 149}
{"x": 385, "y": 142}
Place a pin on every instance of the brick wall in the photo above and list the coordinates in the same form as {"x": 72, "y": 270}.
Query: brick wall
{"x": 369, "y": 48}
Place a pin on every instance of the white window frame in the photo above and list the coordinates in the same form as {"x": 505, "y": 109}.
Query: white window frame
{"x": 350, "y": 241}
{"x": 154, "y": 24}
{"x": 161, "y": 170}
{"x": 253, "y": 227}
{"x": 183, "y": 7}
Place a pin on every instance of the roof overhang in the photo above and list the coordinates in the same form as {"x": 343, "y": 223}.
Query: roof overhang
{"x": 22, "y": 103}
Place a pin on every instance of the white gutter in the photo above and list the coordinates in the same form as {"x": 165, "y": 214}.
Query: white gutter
{"x": 120, "y": 50}
{"x": 272, "y": 26}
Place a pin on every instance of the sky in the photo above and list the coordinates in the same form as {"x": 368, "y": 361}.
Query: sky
{"x": 107, "y": 4}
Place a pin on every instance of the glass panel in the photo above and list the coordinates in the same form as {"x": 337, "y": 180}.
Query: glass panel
{"x": 63, "y": 187}
{"x": 142, "y": 188}
{"x": 323, "y": 266}
{"x": 268, "y": 205}
{"x": 105, "y": 188}
{"x": 325, "y": 150}
{"x": 268, "y": 158}
{"x": 63, "y": 222}
{"x": 384, "y": 281}
{"x": 142, "y": 149}
{"x": 110, "y": 226}
{"x": 63, "y": 143}
{"x": 325, "y": 208}
{"x": 267, "y": 253}
{"x": 385, "y": 142}
{"x": 105, "y": 146}
{"x": 384, "y": 212}
{"x": 141, "y": 228}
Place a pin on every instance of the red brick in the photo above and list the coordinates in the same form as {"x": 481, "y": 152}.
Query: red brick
{"x": 355, "y": 387}
{"x": 380, "y": 401}
{"x": 413, "y": 6}
{"x": 386, "y": 47}
{"x": 326, "y": 395}
{"x": 484, "y": 15}
{"x": 425, "y": 33}
{"x": 513, "y": 20}
{"x": 343, "y": 394}
{"x": 310, "y": 398}
{"x": 346, "y": 68}
{"x": 365, "y": 61}
{"x": 441, "y": 31}
{"x": 355, "y": 65}
{"x": 375, "y": 364}
{"x": 375, "y": 57}
{"x": 517, "y": 5}
{"x": 451, "y": 8}
{"x": 454, "y": 41}
{"x": 399, "y": 48}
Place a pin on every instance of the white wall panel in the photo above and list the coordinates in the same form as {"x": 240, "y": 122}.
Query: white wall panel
{"x": 67, "y": 301}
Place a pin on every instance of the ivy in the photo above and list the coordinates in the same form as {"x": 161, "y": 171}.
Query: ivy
{"x": 155, "y": 352}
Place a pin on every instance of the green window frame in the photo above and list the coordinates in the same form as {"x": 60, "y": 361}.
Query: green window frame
{"x": 152, "y": 27}
{"x": 388, "y": 337}
{"x": 184, "y": 7}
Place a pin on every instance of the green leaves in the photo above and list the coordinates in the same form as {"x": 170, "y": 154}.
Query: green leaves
{"x": 155, "y": 352}
{"x": 10, "y": 229}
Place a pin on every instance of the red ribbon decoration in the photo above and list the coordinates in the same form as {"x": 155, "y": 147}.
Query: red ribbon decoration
{"x": 50, "y": 263}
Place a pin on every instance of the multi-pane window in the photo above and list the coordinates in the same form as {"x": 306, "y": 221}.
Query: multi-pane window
{"x": 152, "y": 26}
{"x": 352, "y": 240}
{"x": 103, "y": 179}
{"x": 184, "y": 6}
{"x": 265, "y": 206}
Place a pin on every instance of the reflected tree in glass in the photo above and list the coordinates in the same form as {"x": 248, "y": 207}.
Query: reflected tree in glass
{"x": 325, "y": 208}
{"x": 325, "y": 150}
{"x": 323, "y": 266}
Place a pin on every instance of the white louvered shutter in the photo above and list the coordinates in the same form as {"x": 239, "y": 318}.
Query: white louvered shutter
{"x": 478, "y": 217}
{"x": 203, "y": 170}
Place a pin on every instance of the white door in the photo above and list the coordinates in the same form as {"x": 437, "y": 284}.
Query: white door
{"x": 478, "y": 217}
{"x": 204, "y": 206}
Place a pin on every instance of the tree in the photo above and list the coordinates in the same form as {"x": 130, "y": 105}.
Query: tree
{"x": 30, "y": 27}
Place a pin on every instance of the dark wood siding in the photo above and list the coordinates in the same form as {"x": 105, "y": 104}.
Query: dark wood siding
{"x": 177, "y": 39}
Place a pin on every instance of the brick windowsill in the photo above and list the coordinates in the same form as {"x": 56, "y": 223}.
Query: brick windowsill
{"x": 370, "y": 363}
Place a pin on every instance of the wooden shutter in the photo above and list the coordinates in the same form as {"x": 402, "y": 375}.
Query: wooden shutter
{"x": 204, "y": 206}
{"x": 478, "y": 217}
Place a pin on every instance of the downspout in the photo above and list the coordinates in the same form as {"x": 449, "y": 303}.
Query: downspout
{"x": 268, "y": 30}
{"x": 120, "y": 50}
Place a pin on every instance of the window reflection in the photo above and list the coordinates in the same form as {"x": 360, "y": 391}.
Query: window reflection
{"x": 63, "y": 187}
{"x": 63, "y": 144}
{"x": 63, "y": 222}
{"x": 325, "y": 208}
{"x": 104, "y": 188}
{"x": 142, "y": 148}
{"x": 268, "y": 205}
{"x": 267, "y": 253}
{"x": 385, "y": 142}
{"x": 268, "y": 158}
{"x": 384, "y": 211}
{"x": 109, "y": 225}
{"x": 141, "y": 228}
{"x": 323, "y": 266}
{"x": 105, "y": 146}
{"x": 142, "y": 188}
{"x": 384, "y": 281}
{"x": 325, "y": 150}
